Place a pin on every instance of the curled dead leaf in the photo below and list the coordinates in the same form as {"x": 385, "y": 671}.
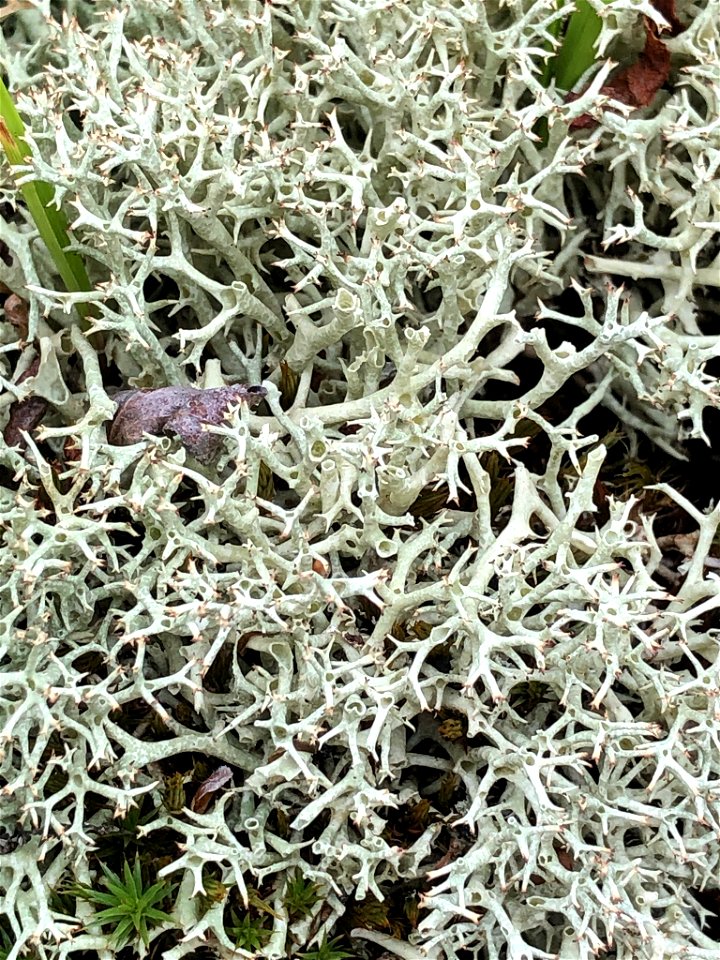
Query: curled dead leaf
{"x": 667, "y": 9}
{"x": 320, "y": 567}
{"x": 183, "y": 412}
{"x": 637, "y": 85}
{"x": 209, "y": 787}
{"x": 25, "y": 414}
{"x": 16, "y": 313}
{"x": 12, "y": 6}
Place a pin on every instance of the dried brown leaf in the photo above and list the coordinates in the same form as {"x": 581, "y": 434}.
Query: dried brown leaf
{"x": 16, "y": 313}
{"x": 183, "y": 412}
{"x": 25, "y": 414}
{"x": 12, "y": 6}
{"x": 637, "y": 84}
{"x": 209, "y": 787}
{"x": 667, "y": 9}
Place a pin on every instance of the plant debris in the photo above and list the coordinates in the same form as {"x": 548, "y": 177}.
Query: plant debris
{"x": 637, "y": 84}
{"x": 178, "y": 411}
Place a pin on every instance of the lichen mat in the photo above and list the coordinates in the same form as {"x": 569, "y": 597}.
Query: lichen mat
{"x": 418, "y": 658}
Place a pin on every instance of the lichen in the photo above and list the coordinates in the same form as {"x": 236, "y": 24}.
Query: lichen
{"x": 458, "y": 321}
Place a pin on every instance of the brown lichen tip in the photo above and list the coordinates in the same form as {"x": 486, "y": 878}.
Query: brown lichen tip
{"x": 178, "y": 412}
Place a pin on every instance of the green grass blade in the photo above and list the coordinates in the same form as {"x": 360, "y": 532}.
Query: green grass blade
{"x": 577, "y": 52}
{"x": 39, "y": 197}
{"x": 97, "y": 896}
{"x": 549, "y": 68}
{"x": 111, "y": 915}
{"x": 12, "y": 118}
{"x": 160, "y": 915}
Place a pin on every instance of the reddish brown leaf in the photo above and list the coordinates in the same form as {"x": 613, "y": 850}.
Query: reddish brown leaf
{"x": 72, "y": 451}
{"x": 16, "y": 311}
{"x": 637, "y": 84}
{"x": 31, "y": 371}
{"x": 178, "y": 411}
{"x": 565, "y": 857}
{"x": 320, "y": 567}
{"x": 210, "y": 786}
{"x": 25, "y": 414}
{"x": 667, "y": 9}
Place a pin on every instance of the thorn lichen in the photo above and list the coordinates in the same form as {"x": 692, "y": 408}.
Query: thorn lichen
{"x": 455, "y": 665}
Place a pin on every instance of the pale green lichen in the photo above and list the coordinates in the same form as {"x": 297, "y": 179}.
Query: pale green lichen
{"x": 421, "y": 525}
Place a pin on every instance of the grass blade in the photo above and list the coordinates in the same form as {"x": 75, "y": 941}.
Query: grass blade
{"x": 39, "y": 197}
{"x": 577, "y": 52}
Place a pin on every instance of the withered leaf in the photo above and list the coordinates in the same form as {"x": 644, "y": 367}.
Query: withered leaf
{"x": 25, "y": 414}
{"x": 289, "y": 381}
{"x": 12, "y": 6}
{"x": 565, "y": 857}
{"x": 637, "y": 84}
{"x": 16, "y": 312}
{"x": 209, "y": 787}
{"x": 667, "y": 9}
{"x": 182, "y": 412}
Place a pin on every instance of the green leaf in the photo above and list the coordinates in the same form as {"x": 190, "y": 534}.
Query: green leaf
{"x": 123, "y": 933}
{"x": 328, "y": 950}
{"x": 155, "y": 891}
{"x": 301, "y": 895}
{"x": 128, "y": 907}
{"x": 12, "y": 117}
{"x": 96, "y": 896}
{"x": 40, "y": 199}
{"x": 248, "y": 933}
{"x": 577, "y": 52}
{"x": 111, "y": 915}
{"x": 152, "y": 914}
